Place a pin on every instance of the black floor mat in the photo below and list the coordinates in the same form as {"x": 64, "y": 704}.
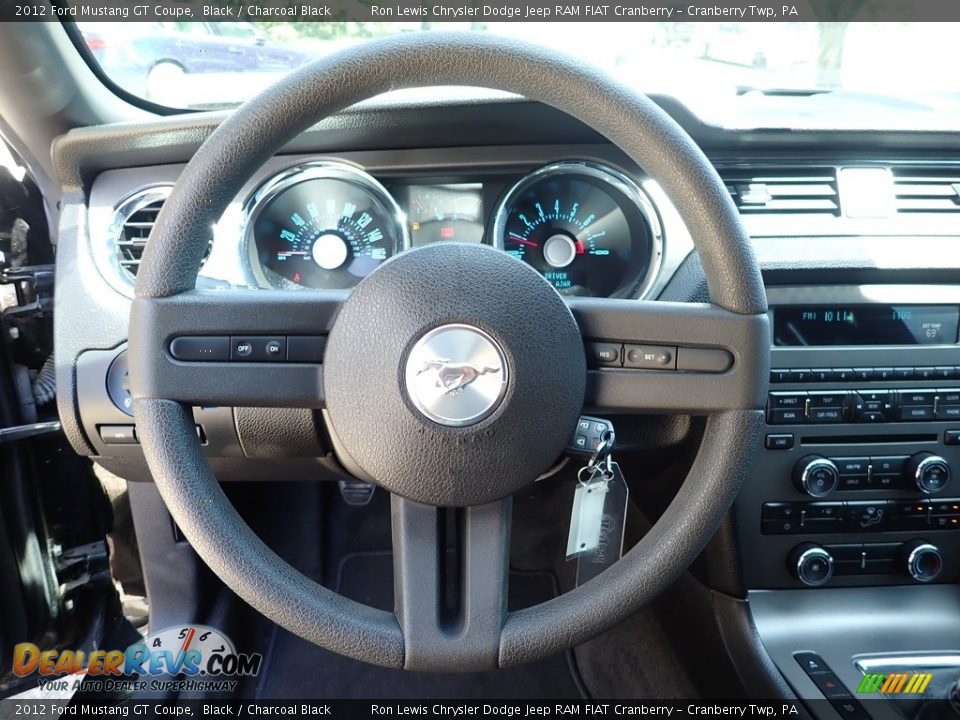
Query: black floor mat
{"x": 298, "y": 669}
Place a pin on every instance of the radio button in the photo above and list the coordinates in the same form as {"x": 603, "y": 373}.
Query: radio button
{"x": 852, "y": 465}
{"x": 872, "y": 417}
{"x": 822, "y": 375}
{"x": 948, "y": 412}
{"x": 951, "y": 437}
{"x": 786, "y": 400}
{"x": 884, "y": 373}
{"x": 888, "y": 482}
{"x": 944, "y": 373}
{"x": 800, "y": 376}
{"x": 779, "y": 376}
{"x": 826, "y": 415}
{"x": 925, "y": 373}
{"x": 844, "y": 374}
{"x": 948, "y": 397}
{"x": 828, "y": 399}
{"x": 785, "y": 417}
{"x": 889, "y": 465}
{"x": 917, "y": 397}
{"x": 783, "y": 441}
{"x": 917, "y": 412}
{"x": 865, "y": 373}
{"x": 853, "y": 482}
{"x": 904, "y": 373}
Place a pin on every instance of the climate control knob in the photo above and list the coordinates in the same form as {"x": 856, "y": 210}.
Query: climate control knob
{"x": 929, "y": 472}
{"x": 816, "y": 476}
{"x": 923, "y": 560}
{"x": 811, "y": 564}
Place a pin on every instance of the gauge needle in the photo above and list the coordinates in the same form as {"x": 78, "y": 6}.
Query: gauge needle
{"x": 524, "y": 241}
{"x": 579, "y": 246}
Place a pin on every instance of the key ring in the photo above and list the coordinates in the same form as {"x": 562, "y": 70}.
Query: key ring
{"x": 600, "y": 463}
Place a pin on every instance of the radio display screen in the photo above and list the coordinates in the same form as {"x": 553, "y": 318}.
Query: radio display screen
{"x": 819, "y": 325}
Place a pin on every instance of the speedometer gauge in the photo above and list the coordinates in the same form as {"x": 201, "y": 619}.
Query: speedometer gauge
{"x": 322, "y": 225}
{"x": 588, "y": 229}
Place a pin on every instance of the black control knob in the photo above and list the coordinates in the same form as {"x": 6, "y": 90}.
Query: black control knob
{"x": 811, "y": 564}
{"x": 923, "y": 560}
{"x": 929, "y": 472}
{"x": 816, "y": 476}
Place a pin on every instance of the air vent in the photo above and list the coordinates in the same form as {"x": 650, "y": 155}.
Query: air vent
{"x": 927, "y": 190}
{"x": 134, "y": 221}
{"x": 779, "y": 190}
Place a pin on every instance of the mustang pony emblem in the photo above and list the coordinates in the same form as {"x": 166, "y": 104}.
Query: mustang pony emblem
{"x": 453, "y": 376}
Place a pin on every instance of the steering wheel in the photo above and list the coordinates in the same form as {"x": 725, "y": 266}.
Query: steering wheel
{"x": 430, "y": 452}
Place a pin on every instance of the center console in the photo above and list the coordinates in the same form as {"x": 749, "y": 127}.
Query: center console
{"x": 858, "y": 482}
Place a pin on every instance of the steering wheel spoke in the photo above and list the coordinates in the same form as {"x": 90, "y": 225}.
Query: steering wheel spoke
{"x": 242, "y": 348}
{"x": 450, "y": 583}
{"x": 674, "y": 357}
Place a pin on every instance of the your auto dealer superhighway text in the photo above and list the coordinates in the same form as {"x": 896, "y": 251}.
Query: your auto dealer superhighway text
{"x": 597, "y": 709}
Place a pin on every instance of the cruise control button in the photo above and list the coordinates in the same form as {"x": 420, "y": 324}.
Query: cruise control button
{"x": 650, "y": 357}
{"x": 117, "y": 435}
{"x": 604, "y": 353}
{"x": 196, "y": 348}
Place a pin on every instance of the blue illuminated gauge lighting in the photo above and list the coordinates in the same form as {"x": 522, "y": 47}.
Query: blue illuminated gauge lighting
{"x": 323, "y": 225}
{"x": 587, "y": 228}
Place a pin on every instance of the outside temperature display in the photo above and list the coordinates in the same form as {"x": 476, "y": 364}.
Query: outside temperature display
{"x": 866, "y": 325}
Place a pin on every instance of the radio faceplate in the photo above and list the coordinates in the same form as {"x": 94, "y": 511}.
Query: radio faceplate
{"x": 833, "y": 498}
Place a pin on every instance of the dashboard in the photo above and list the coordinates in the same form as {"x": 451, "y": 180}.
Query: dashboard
{"x": 590, "y": 228}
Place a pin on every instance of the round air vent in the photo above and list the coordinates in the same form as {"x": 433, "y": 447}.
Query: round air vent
{"x": 133, "y": 222}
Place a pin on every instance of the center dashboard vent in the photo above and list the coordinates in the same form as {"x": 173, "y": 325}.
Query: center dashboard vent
{"x": 927, "y": 189}
{"x": 783, "y": 190}
{"x": 134, "y": 221}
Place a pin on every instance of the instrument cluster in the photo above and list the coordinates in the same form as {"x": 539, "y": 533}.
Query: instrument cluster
{"x": 589, "y": 229}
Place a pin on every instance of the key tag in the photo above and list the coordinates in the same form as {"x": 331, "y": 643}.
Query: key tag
{"x": 598, "y": 518}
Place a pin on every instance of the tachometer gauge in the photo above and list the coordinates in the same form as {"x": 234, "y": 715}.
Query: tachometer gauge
{"x": 322, "y": 225}
{"x": 588, "y": 229}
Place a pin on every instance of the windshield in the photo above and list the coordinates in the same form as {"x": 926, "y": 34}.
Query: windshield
{"x": 733, "y": 74}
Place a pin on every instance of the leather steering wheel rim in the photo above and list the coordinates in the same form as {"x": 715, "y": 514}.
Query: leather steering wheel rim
{"x": 259, "y": 129}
